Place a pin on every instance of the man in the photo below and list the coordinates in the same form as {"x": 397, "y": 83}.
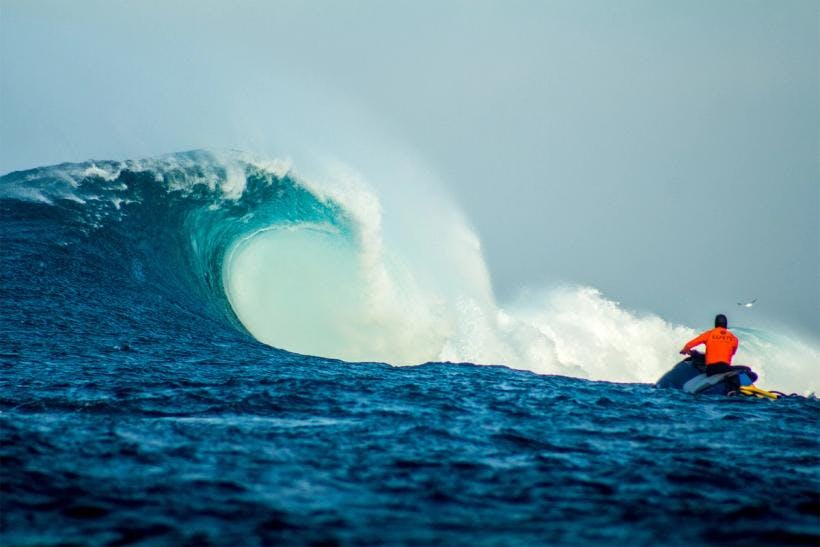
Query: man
{"x": 721, "y": 346}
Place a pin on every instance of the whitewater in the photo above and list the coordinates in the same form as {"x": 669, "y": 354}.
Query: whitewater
{"x": 250, "y": 349}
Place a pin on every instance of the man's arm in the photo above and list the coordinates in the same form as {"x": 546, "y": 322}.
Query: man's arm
{"x": 698, "y": 340}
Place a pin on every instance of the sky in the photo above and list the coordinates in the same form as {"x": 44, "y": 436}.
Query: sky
{"x": 666, "y": 153}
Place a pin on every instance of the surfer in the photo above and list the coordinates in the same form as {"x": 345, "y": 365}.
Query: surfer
{"x": 721, "y": 346}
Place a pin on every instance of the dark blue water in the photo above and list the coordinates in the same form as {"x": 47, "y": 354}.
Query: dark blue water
{"x": 135, "y": 409}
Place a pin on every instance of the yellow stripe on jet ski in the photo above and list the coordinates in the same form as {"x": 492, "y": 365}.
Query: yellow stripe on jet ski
{"x": 757, "y": 392}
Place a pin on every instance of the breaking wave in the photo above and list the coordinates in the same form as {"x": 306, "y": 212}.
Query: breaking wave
{"x": 314, "y": 265}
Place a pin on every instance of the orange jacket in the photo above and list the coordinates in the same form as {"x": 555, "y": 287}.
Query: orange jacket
{"x": 721, "y": 345}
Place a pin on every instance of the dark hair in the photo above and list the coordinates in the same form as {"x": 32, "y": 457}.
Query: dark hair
{"x": 721, "y": 321}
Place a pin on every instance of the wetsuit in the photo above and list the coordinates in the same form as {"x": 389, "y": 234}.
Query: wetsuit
{"x": 721, "y": 346}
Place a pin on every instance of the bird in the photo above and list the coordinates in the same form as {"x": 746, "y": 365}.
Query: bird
{"x": 747, "y": 304}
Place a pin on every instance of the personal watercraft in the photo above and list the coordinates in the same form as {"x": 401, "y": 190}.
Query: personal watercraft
{"x": 690, "y": 376}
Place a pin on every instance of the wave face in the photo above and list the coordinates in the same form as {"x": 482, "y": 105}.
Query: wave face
{"x": 219, "y": 245}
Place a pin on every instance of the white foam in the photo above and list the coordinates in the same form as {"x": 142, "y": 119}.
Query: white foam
{"x": 94, "y": 171}
{"x": 33, "y": 195}
{"x": 234, "y": 183}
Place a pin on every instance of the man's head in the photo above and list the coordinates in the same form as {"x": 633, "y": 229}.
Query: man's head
{"x": 721, "y": 321}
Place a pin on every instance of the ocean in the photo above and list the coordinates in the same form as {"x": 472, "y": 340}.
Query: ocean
{"x": 145, "y": 399}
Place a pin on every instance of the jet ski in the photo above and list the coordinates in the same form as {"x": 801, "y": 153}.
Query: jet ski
{"x": 690, "y": 376}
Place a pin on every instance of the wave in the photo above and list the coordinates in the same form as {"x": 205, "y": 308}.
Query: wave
{"x": 313, "y": 265}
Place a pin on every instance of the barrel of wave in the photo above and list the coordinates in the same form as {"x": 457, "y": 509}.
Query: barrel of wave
{"x": 308, "y": 289}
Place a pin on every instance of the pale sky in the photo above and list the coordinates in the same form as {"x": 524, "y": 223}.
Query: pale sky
{"x": 667, "y": 153}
